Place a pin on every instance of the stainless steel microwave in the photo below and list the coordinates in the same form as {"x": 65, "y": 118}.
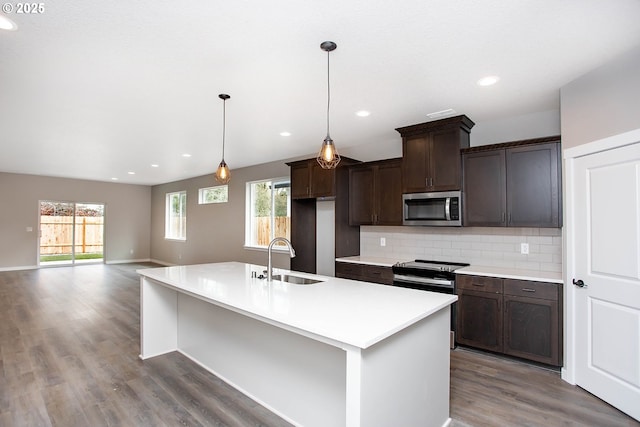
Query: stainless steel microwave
{"x": 443, "y": 208}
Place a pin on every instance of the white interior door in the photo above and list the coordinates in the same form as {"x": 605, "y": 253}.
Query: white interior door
{"x": 605, "y": 190}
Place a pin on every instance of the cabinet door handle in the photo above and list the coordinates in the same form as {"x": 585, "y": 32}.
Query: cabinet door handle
{"x": 478, "y": 284}
{"x": 528, "y": 290}
{"x": 504, "y": 216}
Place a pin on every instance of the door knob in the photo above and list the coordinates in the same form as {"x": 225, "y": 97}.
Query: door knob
{"x": 579, "y": 283}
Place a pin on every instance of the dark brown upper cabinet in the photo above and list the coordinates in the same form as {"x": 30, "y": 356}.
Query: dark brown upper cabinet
{"x": 310, "y": 181}
{"x": 375, "y": 193}
{"x": 516, "y": 184}
{"x": 431, "y": 154}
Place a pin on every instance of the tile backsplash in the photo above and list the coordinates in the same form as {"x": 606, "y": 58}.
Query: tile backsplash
{"x": 498, "y": 247}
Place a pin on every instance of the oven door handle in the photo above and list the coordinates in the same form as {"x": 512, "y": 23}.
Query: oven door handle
{"x": 423, "y": 280}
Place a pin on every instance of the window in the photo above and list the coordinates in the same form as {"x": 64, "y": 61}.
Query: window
{"x": 176, "y": 216}
{"x": 219, "y": 194}
{"x": 268, "y": 211}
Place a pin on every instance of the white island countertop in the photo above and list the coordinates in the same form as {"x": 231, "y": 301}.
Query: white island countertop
{"x": 336, "y": 311}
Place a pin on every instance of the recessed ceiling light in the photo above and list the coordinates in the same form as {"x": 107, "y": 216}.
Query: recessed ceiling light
{"x": 363, "y": 113}
{"x": 441, "y": 113}
{"x": 285, "y": 133}
{"x": 186, "y": 155}
{"x": 114, "y": 179}
{"x": 6, "y": 23}
{"x": 155, "y": 166}
{"x": 131, "y": 173}
{"x": 488, "y": 80}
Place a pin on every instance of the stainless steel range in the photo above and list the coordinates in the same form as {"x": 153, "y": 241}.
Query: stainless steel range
{"x": 433, "y": 276}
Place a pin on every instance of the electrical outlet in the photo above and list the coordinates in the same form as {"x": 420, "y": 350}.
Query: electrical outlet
{"x": 383, "y": 241}
{"x": 524, "y": 248}
{"x": 131, "y": 251}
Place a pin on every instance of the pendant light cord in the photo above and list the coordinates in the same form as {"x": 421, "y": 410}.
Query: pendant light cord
{"x": 328, "y": 94}
{"x": 224, "y": 124}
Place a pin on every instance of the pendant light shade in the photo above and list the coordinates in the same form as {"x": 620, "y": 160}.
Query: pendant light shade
{"x": 328, "y": 156}
{"x": 223, "y": 175}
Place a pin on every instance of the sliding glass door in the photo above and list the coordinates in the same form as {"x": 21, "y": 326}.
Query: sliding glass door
{"x": 71, "y": 232}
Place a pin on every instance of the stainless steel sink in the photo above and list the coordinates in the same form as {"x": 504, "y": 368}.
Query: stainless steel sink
{"x": 295, "y": 279}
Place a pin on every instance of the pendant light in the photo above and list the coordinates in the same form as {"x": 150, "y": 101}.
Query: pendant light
{"x": 328, "y": 156}
{"x": 223, "y": 176}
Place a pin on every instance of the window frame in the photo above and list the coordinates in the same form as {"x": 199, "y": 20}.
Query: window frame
{"x": 201, "y": 195}
{"x": 168, "y": 229}
{"x": 248, "y": 244}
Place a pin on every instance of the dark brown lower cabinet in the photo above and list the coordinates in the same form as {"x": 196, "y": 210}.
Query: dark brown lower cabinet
{"x": 532, "y": 326}
{"x": 364, "y": 272}
{"x": 480, "y": 320}
{"x": 515, "y": 317}
{"x": 479, "y": 312}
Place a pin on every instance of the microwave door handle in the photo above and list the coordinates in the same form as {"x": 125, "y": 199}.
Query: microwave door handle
{"x": 447, "y": 208}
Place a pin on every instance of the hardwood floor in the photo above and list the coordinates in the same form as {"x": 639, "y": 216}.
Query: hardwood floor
{"x": 69, "y": 345}
{"x": 490, "y": 390}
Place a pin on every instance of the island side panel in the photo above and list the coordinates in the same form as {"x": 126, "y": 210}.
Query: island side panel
{"x": 404, "y": 378}
{"x": 158, "y": 319}
{"x": 298, "y": 378}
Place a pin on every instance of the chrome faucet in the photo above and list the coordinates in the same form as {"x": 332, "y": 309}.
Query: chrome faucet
{"x": 292, "y": 253}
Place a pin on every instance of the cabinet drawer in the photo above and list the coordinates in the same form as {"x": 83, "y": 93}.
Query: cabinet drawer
{"x": 377, "y": 274}
{"x": 525, "y": 288}
{"x": 347, "y": 270}
{"x": 479, "y": 283}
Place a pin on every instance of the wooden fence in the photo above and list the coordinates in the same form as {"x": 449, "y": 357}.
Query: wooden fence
{"x": 57, "y": 235}
{"x": 282, "y": 224}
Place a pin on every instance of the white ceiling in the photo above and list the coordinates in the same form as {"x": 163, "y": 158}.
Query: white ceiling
{"x": 95, "y": 89}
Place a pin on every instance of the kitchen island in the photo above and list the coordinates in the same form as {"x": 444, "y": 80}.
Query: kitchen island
{"x": 334, "y": 353}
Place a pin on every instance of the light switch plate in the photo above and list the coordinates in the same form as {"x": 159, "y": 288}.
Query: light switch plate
{"x": 383, "y": 241}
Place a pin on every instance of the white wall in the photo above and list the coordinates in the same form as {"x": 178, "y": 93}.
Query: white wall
{"x": 215, "y": 232}
{"x": 516, "y": 128}
{"x": 127, "y": 216}
{"x": 603, "y": 102}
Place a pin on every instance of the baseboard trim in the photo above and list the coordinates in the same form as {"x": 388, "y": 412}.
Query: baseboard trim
{"x": 166, "y": 264}
{"x": 128, "y": 261}
{"x": 22, "y": 267}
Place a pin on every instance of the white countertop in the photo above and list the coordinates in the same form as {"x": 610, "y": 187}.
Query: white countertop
{"x": 512, "y": 273}
{"x": 346, "y": 311}
{"x": 474, "y": 270}
{"x": 369, "y": 260}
